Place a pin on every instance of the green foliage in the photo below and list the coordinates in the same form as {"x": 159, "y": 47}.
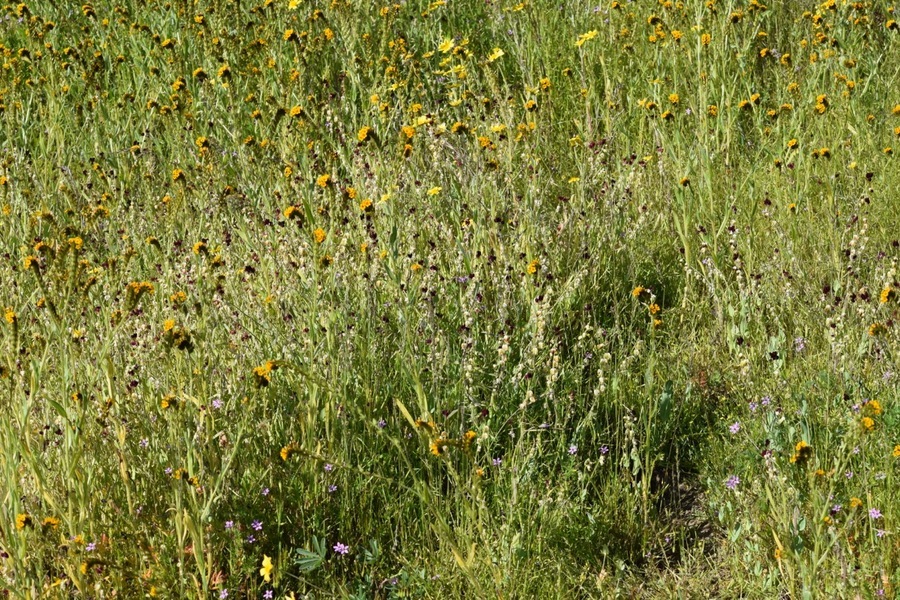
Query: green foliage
{"x": 448, "y": 299}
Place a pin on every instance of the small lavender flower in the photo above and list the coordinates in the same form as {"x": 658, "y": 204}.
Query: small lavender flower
{"x": 799, "y": 344}
{"x": 573, "y": 449}
{"x": 268, "y": 594}
{"x": 874, "y": 513}
{"x": 382, "y": 424}
{"x": 880, "y": 533}
{"x": 836, "y": 509}
{"x": 849, "y": 474}
{"x": 265, "y": 491}
{"x": 604, "y": 449}
{"x": 257, "y": 525}
{"x": 753, "y": 407}
{"x": 332, "y": 489}
{"x": 168, "y": 470}
{"x": 144, "y": 443}
{"x": 217, "y": 403}
{"x": 341, "y": 548}
{"x": 329, "y": 467}
{"x": 497, "y": 462}
{"x": 90, "y": 547}
{"x": 223, "y": 594}
{"x": 735, "y": 427}
{"x": 765, "y": 401}
{"x": 732, "y": 482}
{"x": 251, "y": 539}
{"x": 229, "y": 524}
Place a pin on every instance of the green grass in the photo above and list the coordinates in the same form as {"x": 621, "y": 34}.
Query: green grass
{"x": 578, "y": 282}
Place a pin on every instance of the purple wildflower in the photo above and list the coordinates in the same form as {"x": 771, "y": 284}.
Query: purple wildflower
{"x": 341, "y": 548}
{"x": 573, "y": 449}
{"x": 874, "y": 513}
{"x": 735, "y": 427}
{"x": 732, "y": 482}
{"x": 257, "y": 525}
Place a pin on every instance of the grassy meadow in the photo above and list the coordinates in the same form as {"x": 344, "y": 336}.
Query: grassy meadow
{"x": 451, "y": 299}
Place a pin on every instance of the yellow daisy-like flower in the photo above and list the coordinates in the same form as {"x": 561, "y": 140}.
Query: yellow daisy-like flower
{"x": 23, "y": 520}
{"x": 50, "y": 523}
{"x": 319, "y": 235}
{"x": 288, "y": 451}
{"x": 434, "y": 191}
{"x": 363, "y": 133}
{"x": 177, "y": 175}
{"x": 855, "y": 502}
{"x": 323, "y": 180}
{"x": 262, "y": 374}
{"x": 876, "y": 329}
{"x": 802, "y": 452}
{"x": 867, "y": 423}
{"x": 896, "y": 452}
{"x": 266, "y": 570}
{"x": 533, "y": 266}
{"x": 438, "y": 446}
{"x": 585, "y": 37}
{"x": 296, "y": 111}
{"x": 873, "y": 407}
